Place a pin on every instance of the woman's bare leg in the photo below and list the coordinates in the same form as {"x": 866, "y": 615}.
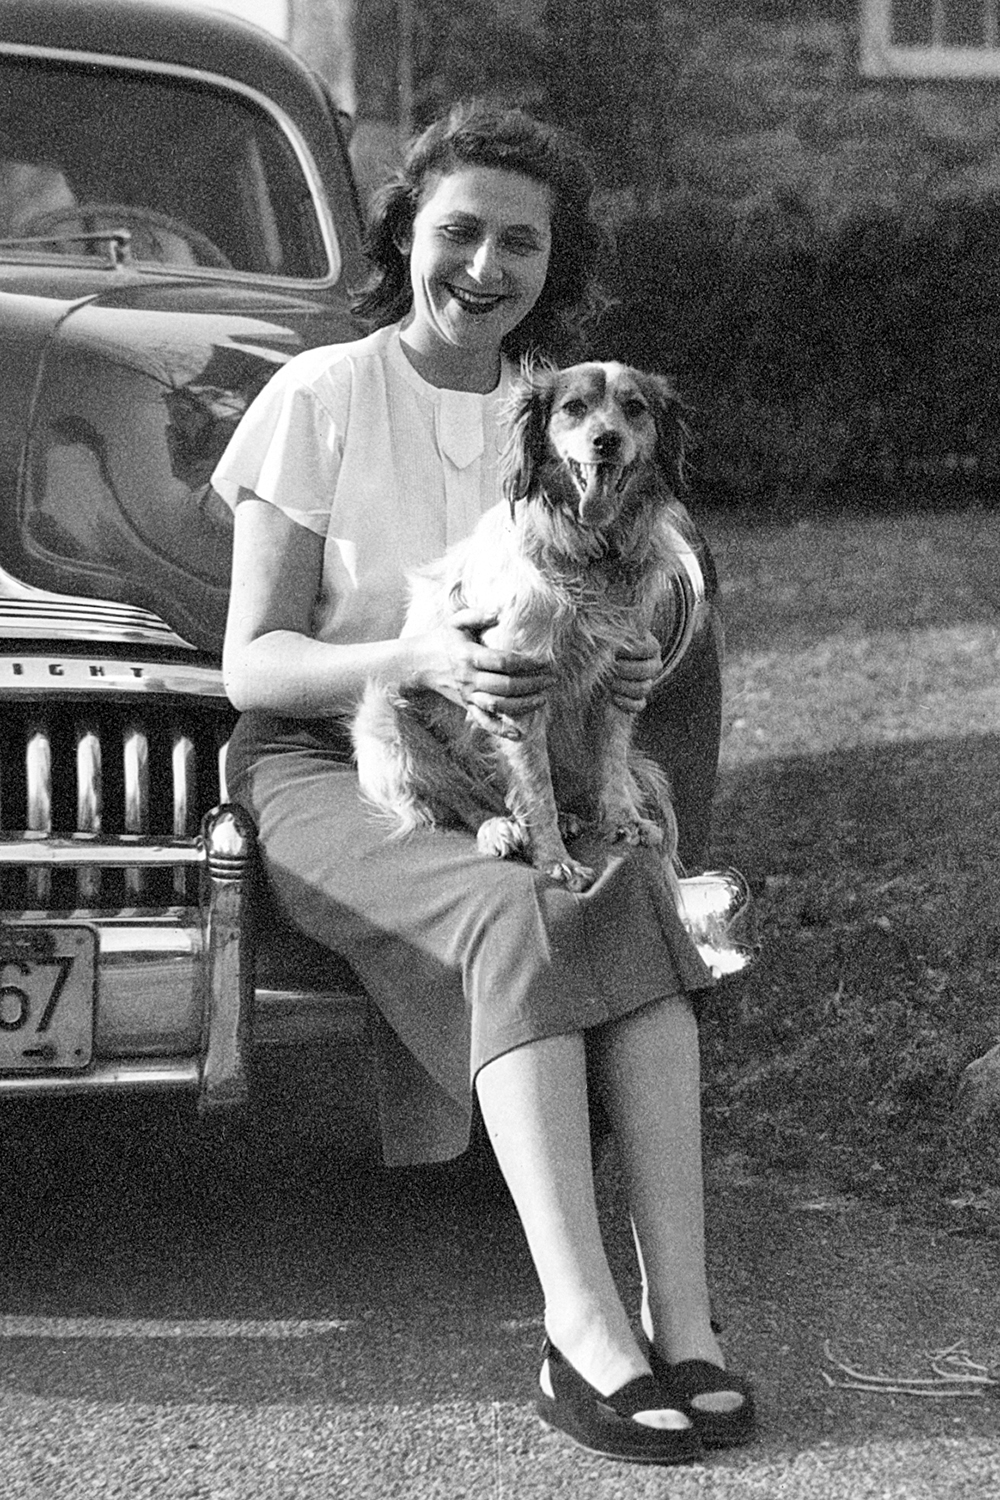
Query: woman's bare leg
{"x": 648, "y": 1068}
{"x": 534, "y": 1105}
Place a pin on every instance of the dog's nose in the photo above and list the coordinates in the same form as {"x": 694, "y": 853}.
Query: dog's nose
{"x": 607, "y": 444}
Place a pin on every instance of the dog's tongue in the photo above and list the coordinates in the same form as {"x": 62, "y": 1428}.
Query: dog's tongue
{"x": 596, "y": 484}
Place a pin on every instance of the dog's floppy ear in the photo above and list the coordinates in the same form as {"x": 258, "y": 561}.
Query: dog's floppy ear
{"x": 672, "y": 432}
{"x": 527, "y": 434}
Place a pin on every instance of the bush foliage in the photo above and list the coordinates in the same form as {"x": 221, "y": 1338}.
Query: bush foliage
{"x": 813, "y": 256}
{"x": 820, "y": 358}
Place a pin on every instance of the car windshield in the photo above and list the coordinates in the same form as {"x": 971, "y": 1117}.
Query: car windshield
{"x": 190, "y": 174}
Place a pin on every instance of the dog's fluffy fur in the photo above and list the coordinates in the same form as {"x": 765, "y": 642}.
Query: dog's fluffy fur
{"x": 575, "y": 566}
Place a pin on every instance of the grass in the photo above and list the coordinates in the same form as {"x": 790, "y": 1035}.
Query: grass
{"x": 858, "y": 790}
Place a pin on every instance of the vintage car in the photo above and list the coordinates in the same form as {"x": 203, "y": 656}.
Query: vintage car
{"x": 177, "y": 218}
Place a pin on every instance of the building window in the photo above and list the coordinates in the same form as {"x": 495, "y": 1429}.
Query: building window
{"x": 930, "y": 38}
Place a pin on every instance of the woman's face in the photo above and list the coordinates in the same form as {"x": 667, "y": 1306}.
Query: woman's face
{"x": 479, "y": 255}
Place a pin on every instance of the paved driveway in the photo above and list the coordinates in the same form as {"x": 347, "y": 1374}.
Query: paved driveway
{"x": 257, "y": 1322}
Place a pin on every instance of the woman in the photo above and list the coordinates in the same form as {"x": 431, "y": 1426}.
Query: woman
{"x": 356, "y": 463}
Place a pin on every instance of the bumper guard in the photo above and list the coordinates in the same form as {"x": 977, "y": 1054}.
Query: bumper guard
{"x": 220, "y": 936}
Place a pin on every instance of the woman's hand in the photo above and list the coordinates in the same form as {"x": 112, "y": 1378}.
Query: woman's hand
{"x": 497, "y": 688}
{"x": 636, "y": 669}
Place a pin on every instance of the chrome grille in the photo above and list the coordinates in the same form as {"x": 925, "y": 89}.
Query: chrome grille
{"x": 106, "y": 769}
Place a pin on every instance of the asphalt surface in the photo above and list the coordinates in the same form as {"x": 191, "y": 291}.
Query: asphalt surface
{"x": 251, "y": 1318}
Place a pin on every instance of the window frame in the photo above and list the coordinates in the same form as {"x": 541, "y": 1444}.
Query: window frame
{"x": 286, "y": 126}
{"x": 880, "y": 57}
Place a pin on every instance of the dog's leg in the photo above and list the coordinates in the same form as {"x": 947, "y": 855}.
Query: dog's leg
{"x": 409, "y": 774}
{"x": 619, "y": 797}
{"x": 653, "y": 793}
{"x": 533, "y": 827}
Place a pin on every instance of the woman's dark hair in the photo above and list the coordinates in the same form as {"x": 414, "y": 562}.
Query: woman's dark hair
{"x": 481, "y": 135}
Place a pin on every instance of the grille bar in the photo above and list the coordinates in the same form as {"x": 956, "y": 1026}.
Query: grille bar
{"x": 136, "y": 749}
{"x": 38, "y": 767}
{"x": 36, "y": 851}
{"x": 89, "y": 798}
{"x": 101, "y": 772}
{"x": 184, "y": 761}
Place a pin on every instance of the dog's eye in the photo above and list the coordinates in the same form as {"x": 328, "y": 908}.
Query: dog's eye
{"x": 634, "y": 408}
{"x": 574, "y": 406}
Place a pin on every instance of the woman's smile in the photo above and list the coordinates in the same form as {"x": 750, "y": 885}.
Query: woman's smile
{"x": 479, "y": 256}
{"x": 476, "y": 302}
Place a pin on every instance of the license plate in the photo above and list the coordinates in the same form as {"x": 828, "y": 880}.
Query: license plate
{"x": 47, "y": 984}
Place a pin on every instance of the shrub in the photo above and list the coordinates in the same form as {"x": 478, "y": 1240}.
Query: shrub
{"x": 820, "y": 358}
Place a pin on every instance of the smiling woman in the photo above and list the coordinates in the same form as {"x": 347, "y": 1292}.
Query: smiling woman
{"x": 479, "y": 255}
{"x": 545, "y": 215}
{"x": 356, "y": 465}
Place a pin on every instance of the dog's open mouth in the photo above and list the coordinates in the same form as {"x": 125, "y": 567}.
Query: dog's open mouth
{"x": 598, "y": 485}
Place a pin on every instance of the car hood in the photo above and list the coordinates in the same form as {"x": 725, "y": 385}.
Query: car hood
{"x": 115, "y": 405}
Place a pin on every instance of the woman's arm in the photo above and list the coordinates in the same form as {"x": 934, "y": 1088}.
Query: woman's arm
{"x": 269, "y": 658}
{"x": 271, "y": 661}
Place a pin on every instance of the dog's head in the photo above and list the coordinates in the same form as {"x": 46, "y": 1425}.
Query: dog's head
{"x": 580, "y": 436}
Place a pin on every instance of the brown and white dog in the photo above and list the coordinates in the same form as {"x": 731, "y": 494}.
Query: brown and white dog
{"x": 577, "y": 565}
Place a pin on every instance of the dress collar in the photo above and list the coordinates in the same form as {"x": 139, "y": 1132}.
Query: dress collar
{"x": 458, "y": 415}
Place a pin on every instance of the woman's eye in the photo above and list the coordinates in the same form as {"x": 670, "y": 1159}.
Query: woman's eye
{"x": 522, "y": 246}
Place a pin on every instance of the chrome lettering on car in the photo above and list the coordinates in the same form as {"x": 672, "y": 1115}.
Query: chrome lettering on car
{"x": 29, "y": 674}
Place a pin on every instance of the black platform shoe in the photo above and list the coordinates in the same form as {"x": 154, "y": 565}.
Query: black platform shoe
{"x": 698, "y": 1377}
{"x": 609, "y": 1425}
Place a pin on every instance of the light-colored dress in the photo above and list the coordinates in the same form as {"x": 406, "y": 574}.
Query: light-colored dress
{"x": 352, "y": 443}
{"x": 464, "y": 957}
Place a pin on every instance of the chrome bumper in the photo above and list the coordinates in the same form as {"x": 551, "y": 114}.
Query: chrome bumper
{"x": 177, "y": 1006}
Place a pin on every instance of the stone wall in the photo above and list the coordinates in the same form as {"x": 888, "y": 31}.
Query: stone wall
{"x": 817, "y": 257}
{"x": 767, "y": 100}
{"x": 815, "y": 254}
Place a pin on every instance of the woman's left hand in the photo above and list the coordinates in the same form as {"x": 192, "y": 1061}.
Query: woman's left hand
{"x": 636, "y": 669}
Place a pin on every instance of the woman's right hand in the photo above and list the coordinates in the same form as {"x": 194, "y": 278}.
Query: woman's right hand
{"x": 497, "y": 688}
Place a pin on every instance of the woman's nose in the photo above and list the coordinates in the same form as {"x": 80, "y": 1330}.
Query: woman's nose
{"x": 486, "y": 262}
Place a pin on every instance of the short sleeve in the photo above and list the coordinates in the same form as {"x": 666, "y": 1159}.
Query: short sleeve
{"x": 287, "y": 450}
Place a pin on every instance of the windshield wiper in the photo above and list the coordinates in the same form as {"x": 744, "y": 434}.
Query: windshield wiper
{"x": 118, "y": 242}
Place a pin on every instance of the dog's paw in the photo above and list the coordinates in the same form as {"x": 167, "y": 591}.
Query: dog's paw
{"x": 503, "y": 838}
{"x": 570, "y": 873}
{"x": 635, "y": 831}
{"x": 648, "y": 833}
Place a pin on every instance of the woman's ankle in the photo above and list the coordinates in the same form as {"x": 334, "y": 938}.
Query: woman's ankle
{"x": 606, "y": 1358}
{"x": 679, "y": 1338}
